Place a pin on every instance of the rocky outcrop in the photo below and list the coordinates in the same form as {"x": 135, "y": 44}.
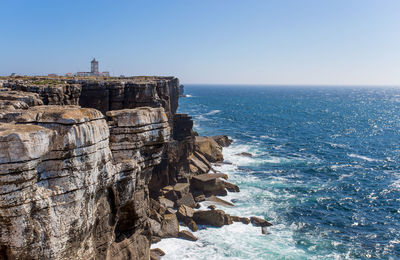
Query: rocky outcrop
{"x": 104, "y": 180}
{"x": 131, "y": 93}
{"x": 10, "y": 100}
{"x": 70, "y": 189}
{"x": 216, "y": 218}
{"x": 209, "y": 148}
{"x": 259, "y": 222}
{"x": 50, "y": 92}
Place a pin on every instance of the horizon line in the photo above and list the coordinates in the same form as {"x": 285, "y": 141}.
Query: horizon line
{"x": 292, "y": 85}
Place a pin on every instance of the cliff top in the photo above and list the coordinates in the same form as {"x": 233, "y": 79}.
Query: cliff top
{"x": 49, "y": 81}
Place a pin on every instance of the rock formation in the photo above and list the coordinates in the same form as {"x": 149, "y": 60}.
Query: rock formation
{"x": 100, "y": 169}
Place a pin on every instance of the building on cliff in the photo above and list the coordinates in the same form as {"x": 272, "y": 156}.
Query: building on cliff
{"x": 94, "y": 70}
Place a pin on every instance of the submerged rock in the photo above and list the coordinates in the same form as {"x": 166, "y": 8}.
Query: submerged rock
{"x": 245, "y": 154}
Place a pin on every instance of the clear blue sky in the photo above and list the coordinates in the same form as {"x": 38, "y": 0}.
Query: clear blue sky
{"x": 336, "y": 42}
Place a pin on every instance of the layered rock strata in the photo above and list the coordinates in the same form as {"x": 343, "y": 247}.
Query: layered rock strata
{"x": 73, "y": 189}
{"x": 104, "y": 180}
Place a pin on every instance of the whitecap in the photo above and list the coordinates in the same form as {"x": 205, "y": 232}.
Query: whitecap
{"x": 267, "y": 137}
{"x": 212, "y": 112}
{"x": 334, "y": 145}
{"x": 362, "y": 157}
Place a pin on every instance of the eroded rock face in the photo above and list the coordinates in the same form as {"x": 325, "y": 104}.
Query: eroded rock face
{"x": 51, "y": 166}
{"x": 76, "y": 182}
{"x": 64, "y": 195}
{"x": 51, "y": 93}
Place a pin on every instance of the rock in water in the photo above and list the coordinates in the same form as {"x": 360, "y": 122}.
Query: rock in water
{"x": 191, "y": 224}
{"x": 245, "y": 220}
{"x": 245, "y": 154}
{"x": 210, "y": 217}
{"x": 156, "y": 254}
{"x": 259, "y": 222}
{"x": 231, "y": 187}
{"x": 184, "y": 234}
{"x": 184, "y": 212}
{"x": 223, "y": 140}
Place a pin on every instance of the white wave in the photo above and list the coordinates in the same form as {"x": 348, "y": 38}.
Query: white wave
{"x": 188, "y": 95}
{"x": 220, "y": 243}
{"x": 333, "y": 145}
{"x": 212, "y": 112}
{"x": 267, "y": 137}
{"x": 362, "y": 157}
{"x": 201, "y": 118}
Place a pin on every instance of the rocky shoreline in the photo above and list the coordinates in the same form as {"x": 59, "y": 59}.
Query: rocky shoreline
{"x": 102, "y": 168}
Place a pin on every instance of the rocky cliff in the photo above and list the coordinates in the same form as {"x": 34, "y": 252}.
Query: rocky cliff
{"x": 101, "y": 180}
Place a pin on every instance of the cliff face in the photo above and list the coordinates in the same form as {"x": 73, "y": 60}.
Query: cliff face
{"x": 74, "y": 182}
{"x": 91, "y": 181}
{"x": 73, "y": 189}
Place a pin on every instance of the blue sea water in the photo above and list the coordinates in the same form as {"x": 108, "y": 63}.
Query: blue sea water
{"x": 325, "y": 171}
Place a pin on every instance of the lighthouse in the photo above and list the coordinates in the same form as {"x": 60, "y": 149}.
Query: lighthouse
{"x": 95, "y": 67}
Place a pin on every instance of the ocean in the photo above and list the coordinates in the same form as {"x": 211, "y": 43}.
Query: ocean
{"x": 325, "y": 171}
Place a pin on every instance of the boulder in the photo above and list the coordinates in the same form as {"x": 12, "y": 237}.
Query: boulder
{"x": 166, "y": 189}
{"x": 245, "y": 220}
{"x": 245, "y": 154}
{"x": 264, "y": 231}
{"x": 212, "y": 207}
{"x": 210, "y": 183}
{"x": 222, "y": 140}
{"x": 199, "y": 196}
{"x": 184, "y": 234}
{"x": 231, "y": 187}
{"x": 166, "y": 202}
{"x": 156, "y": 254}
{"x": 181, "y": 189}
{"x": 209, "y": 148}
{"x": 155, "y": 239}
{"x": 155, "y": 227}
{"x": 214, "y": 218}
{"x": 219, "y": 201}
{"x": 178, "y": 191}
{"x": 197, "y": 166}
{"x": 184, "y": 212}
{"x": 156, "y": 206}
{"x": 191, "y": 224}
{"x": 186, "y": 200}
{"x": 259, "y": 222}
{"x": 228, "y": 220}
{"x": 155, "y": 215}
{"x": 235, "y": 218}
{"x": 169, "y": 226}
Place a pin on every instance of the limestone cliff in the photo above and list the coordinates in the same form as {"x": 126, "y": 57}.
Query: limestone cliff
{"x": 64, "y": 194}
{"x": 99, "y": 180}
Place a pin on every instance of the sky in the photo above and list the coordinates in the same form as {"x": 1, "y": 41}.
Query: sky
{"x": 285, "y": 42}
